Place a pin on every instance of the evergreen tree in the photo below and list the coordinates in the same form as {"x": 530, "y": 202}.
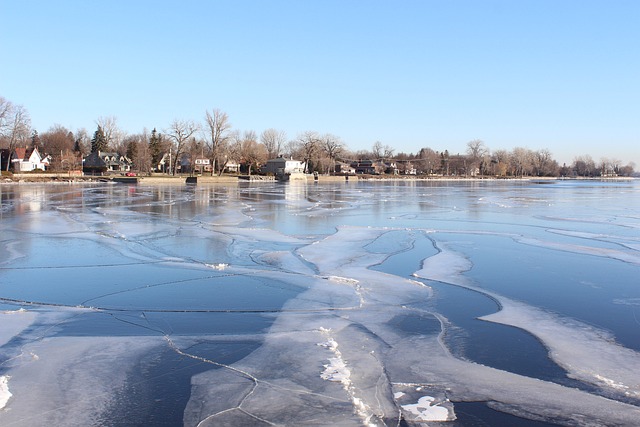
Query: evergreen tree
{"x": 155, "y": 147}
{"x": 35, "y": 141}
{"x": 132, "y": 150}
{"x": 99, "y": 141}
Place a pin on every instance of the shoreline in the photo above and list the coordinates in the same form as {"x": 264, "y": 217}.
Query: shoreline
{"x": 235, "y": 179}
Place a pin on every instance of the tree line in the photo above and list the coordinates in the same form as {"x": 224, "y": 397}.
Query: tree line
{"x": 216, "y": 140}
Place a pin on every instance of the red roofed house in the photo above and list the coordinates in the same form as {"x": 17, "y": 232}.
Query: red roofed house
{"x": 26, "y": 160}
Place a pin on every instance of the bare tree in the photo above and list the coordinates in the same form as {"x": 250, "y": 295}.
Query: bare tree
{"x": 5, "y": 112}
{"x": 273, "y": 141}
{"x": 332, "y": 146}
{"x": 82, "y": 143}
{"x": 543, "y": 163}
{"x": 179, "y": 132}
{"x": 627, "y": 170}
{"x": 521, "y": 161}
{"x": 15, "y": 126}
{"x": 387, "y": 152}
{"x": 138, "y": 151}
{"x": 500, "y": 162}
{"x": 309, "y": 143}
{"x": 233, "y": 149}
{"x": 113, "y": 135}
{"x": 584, "y": 166}
{"x": 59, "y": 143}
{"x": 476, "y": 151}
{"x": 252, "y": 152}
{"x": 218, "y": 135}
{"x": 376, "y": 149}
{"x": 428, "y": 160}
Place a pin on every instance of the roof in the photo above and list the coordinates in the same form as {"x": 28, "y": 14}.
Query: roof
{"x": 93, "y": 161}
{"x": 24, "y": 153}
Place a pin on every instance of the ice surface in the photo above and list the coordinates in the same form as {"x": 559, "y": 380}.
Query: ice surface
{"x": 13, "y": 322}
{"x": 159, "y": 262}
{"x": 587, "y": 353}
{"x": 374, "y": 363}
{"x": 70, "y": 381}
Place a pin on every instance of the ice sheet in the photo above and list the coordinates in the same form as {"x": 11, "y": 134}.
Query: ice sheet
{"x": 70, "y": 381}
{"x": 13, "y": 322}
{"x": 357, "y": 360}
{"x": 587, "y": 353}
{"x": 333, "y": 354}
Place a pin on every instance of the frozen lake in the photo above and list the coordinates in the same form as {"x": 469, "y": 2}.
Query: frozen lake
{"x": 358, "y": 303}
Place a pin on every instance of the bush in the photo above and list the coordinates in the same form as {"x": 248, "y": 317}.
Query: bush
{"x": 7, "y": 174}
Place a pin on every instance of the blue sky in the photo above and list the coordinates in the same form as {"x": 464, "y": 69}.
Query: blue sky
{"x": 561, "y": 75}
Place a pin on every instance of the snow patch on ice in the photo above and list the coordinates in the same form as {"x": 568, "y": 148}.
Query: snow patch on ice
{"x": 337, "y": 371}
{"x": 220, "y": 267}
{"x": 5, "y": 394}
{"x": 344, "y": 280}
{"x": 427, "y": 410}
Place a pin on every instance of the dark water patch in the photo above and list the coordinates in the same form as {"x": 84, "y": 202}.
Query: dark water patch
{"x": 491, "y": 344}
{"x": 416, "y": 324}
{"x": 479, "y": 414}
{"x": 146, "y": 324}
{"x": 499, "y": 346}
{"x": 158, "y": 389}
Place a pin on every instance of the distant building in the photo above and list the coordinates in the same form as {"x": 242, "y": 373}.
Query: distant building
{"x": 116, "y": 162}
{"x": 203, "y": 165}
{"x": 344, "y": 168}
{"x": 369, "y": 167}
{"x": 282, "y": 166}
{"x": 93, "y": 164}
{"x": 232, "y": 166}
{"x": 26, "y": 160}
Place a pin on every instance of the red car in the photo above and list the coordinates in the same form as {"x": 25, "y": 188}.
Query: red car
{"x": 130, "y": 174}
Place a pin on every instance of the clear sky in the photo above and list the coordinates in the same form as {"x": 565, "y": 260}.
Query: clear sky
{"x": 557, "y": 74}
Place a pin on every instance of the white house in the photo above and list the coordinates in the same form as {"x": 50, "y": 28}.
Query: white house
{"x": 282, "y": 166}
{"x": 27, "y": 160}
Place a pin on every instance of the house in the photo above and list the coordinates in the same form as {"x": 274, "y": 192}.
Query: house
{"x": 369, "y": 167}
{"x": 116, "y": 162}
{"x": 232, "y": 166}
{"x": 93, "y": 164}
{"x": 282, "y": 166}
{"x": 26, "y": 160}
{"x": 391, "y": 168}
{"x": 203, "y": 165}
{"x": 344, "y": 168}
